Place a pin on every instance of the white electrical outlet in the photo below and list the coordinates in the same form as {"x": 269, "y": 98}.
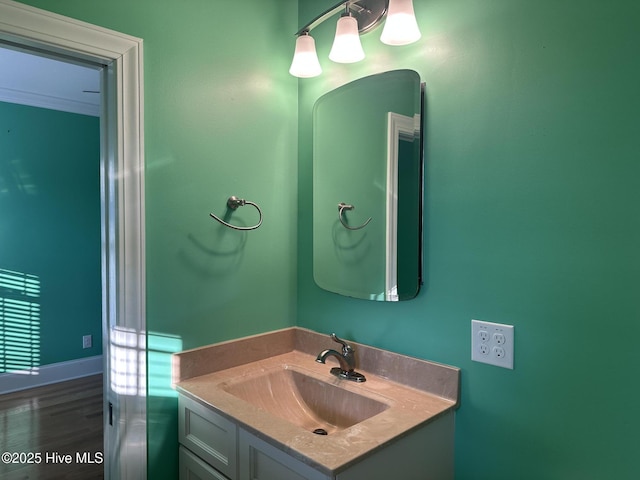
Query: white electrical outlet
{"x": 86, "y": 341}
{"x": 492, "y": 343}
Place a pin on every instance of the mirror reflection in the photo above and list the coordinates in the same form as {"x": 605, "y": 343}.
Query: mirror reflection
{"x": 367, "y": 187}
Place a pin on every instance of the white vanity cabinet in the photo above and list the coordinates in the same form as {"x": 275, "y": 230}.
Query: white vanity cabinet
{"x": 248, "y": 407}
{"x": 212, "y": 447}
{"x": 215, "y": 448}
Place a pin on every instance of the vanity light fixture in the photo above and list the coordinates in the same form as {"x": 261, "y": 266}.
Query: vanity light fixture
{"x": 305, "y": 62}
{"x": 346, "y": 44}
{"x": 360, "y": 16}
{"x": 401, "y": 27}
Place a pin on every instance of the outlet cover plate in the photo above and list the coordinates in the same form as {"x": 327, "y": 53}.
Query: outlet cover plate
{"x": 492, "y": 343}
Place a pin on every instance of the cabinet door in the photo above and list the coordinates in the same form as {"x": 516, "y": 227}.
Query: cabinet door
{"x": 262, "y": 461}
{"x": 209, "y": 435}
{"x": 193, "y": 468}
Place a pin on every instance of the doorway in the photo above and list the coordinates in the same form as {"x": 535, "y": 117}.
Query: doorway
{"x": 50, "y": 279}
{"x": 122, "y": 214}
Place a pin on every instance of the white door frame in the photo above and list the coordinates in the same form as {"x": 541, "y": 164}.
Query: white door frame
{"x": 122, "y": 198}
{"x": 399, "y": 127}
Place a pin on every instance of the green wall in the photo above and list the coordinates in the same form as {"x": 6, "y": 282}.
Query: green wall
{"x": 531, "y": 180}
{"x": 531, "y": 220}
{"x": 220, "y": 120}
{"x": 49, "y": 236}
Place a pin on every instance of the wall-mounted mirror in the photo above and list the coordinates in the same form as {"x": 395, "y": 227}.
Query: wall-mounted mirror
{"x": 367, "y": 187}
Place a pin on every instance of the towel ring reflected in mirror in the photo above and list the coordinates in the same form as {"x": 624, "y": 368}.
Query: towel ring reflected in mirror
{"x": 345, "y": 206}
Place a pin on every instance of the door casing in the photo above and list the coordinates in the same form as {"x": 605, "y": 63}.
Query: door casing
{"x": 122, "y": 199}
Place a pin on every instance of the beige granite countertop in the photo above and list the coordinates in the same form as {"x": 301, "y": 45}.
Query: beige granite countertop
{"x": 416, "y": 391}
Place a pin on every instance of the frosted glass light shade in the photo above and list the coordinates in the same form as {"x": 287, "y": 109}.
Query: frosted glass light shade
{"x": 346, "y": 44}
{"x": 400, "y": 27}
{"x": 305, "y": 62}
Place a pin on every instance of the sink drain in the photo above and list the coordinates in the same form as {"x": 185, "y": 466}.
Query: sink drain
{"x": 320, "y": 431}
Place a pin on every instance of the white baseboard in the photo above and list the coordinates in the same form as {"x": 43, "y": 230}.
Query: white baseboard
{"x": 53, "y": 373}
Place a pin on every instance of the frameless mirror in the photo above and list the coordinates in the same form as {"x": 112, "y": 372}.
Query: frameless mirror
{"x": 367, "y": 187}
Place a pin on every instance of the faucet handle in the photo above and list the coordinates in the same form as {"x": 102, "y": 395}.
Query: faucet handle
{"x": 346, "y": 348}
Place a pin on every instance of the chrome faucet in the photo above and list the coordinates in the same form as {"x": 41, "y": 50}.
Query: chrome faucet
{"x": 346, "y": 359}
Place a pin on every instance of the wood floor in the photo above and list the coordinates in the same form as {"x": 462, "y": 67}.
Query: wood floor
{"x": 63, "y": 419}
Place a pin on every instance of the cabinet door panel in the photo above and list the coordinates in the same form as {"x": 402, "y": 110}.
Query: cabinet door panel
{"x": 209, "y": 435}
{"x": 193, "y": 468}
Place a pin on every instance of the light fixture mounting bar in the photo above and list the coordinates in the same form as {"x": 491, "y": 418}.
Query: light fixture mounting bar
{"x": 368, "y": 13}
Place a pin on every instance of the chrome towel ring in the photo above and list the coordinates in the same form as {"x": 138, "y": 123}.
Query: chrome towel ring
{"x": 345, "y": 206}
{"x": 233, "y": 203}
